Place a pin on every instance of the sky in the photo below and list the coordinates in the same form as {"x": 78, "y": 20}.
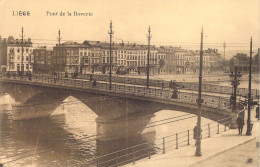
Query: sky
{"x": 173, "y": 22}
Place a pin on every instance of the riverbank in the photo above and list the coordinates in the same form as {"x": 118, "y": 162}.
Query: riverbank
{"x": 211, "y": 147}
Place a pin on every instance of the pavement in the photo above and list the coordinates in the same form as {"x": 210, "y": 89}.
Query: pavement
{"x": 210, "y": 147}
{"x": 246, "y": 155}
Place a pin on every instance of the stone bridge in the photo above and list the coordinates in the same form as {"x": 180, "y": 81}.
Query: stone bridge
{"x": 114, "y": 103}
{"x": 40, "y": 96}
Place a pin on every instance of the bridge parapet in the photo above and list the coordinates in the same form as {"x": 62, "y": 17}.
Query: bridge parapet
{"x": 185, "y": 85}
{"x": 166, "y": 84}
{"x": 126, "y": 89}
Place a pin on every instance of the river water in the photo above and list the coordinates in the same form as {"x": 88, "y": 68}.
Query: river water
{"x": 67, "y": 138}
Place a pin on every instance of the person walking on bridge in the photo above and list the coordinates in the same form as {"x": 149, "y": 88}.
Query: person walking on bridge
{"x": 94, "y": 84}
{"x": 240, "y": 124}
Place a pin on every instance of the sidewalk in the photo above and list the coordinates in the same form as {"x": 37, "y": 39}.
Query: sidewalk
{"x": 210, "y": 147}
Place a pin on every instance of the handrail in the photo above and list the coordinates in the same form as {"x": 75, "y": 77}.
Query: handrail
{"x": 177, "y": 142}
{"x": 166, "y": 84}
{"x": 210, "y": 100}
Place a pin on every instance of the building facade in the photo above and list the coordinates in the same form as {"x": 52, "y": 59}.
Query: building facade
{"x": 42, "y": 59}
{"x": 16, "y": 55}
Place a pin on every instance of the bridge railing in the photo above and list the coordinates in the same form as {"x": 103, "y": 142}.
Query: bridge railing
{"x": 157, "y": 83}
{"x": 161, "y": 145}
{"x": 137, "y": 90}
{"x": 166, "y": 84}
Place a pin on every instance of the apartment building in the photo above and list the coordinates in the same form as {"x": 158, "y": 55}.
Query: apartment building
{"x": 16, "y": 55}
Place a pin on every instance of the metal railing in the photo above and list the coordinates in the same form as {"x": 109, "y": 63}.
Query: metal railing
{"x": 140, "y": 91}
{"x": 166, "y": 84}
{"x": 161, "y": 145}
{"x": 192, "y": 86}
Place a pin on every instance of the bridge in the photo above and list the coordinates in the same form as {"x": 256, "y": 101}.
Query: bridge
{"x": 39, "y": 96}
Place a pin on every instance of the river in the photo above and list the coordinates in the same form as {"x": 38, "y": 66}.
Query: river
{"x": 69, "y": 138}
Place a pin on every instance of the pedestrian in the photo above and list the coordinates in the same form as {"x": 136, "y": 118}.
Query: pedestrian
{"x": 94, "y": 84}
{"x": 240, "y": 123}
{"x": 195, "y": 131}
{"x": 175, "y": 93}
{"x": 257, "y": 112}
{"x": 170, "y": 84}
{"x": 231, "y": 100}
{"x": 90, "y": 77}
{"x": 162, "y": 85}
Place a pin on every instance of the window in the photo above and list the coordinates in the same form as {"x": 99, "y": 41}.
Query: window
{"x": 18, "y": 50}
{"x": 18, "y": 67}
{"x": 12, "y": 50}
{"x": 12, "y": 65}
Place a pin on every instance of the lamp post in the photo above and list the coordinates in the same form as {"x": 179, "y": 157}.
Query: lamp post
{"x": 199, "y": 102}
{"x": 234, "y": 76}
{"x": 249, "y": 125}
{"x": 111, "y": 32}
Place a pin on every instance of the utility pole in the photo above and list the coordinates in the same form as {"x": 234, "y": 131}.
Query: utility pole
{"x": 249, "y": 125}
{"x": 224, "y": 45}
{"x": 22, "y": 65}
{"x": 111, "y": 32}
{"x": 199, "y": 101}
{"x": 148, "y": 56}
{"x": 58, "y": 54}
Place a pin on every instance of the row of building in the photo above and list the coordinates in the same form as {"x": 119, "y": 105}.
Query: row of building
{"x": 94, "y": 57}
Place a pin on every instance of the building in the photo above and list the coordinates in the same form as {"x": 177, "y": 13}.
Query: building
{"x": 175, "y": 59}
{"x": 42, "y": 59}
{"x": 94, "y": 57}
{"x": 130, "y": 58}
{"x": 211, "y": 61}
{"x": 14, "y": 59}
{"x": 66, "y": 57}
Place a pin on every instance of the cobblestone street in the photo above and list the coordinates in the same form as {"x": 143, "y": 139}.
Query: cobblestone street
{"x": 246, "y": 155}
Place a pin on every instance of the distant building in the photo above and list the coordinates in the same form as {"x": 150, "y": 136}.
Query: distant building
{"x": 11, "y": 55}
{"x": 211, "y": 61}
{"x": 66, "y": 57}
{"x": 94, "y": 56}
{"x": 170, "y": 58}
{"x": 42, "y": 59}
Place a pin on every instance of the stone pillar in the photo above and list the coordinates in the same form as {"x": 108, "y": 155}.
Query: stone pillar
{"x": 114, "y": 129}
{"x": 233, "y": 124}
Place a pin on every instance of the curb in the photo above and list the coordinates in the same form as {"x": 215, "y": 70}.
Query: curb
{"x": 220, "y": 152}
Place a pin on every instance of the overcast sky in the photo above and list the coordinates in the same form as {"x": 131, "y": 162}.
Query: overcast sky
{"x": 173, "y": 22}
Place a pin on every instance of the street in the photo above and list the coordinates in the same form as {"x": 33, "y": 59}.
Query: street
{"x": 244, "y": 155}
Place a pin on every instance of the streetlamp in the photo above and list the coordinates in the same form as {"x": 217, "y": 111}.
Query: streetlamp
{"x": 234, "y": 77}
{"x": 249, "y": 124}
{"x": 199, "y": 101}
